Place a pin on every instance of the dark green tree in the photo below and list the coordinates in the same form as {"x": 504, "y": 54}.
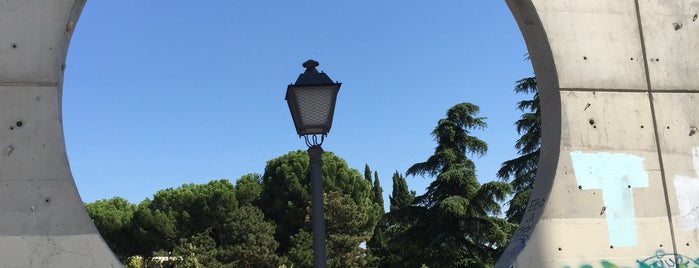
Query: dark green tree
{"x": 248, "y": 189}
{"x": 248, "y": 240}
{"x": 400, "y": 195}
{"x": 301, "y": 249}
{"x": 285, "y": 198}
{"x": 386, "y": 252}
{"x": 367, "y": 173}
{"x": 197, "y": 251}
{"x": 346, "y": 228}
{"x": 522, "y": 169}
{"x": 377, "y": 193}
{"x": 178, "y": 213}
{"x": 454, "y": 224}
{"x": 114, "y": 220}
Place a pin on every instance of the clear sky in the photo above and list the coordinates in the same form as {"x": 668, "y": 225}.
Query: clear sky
{"x": 161, "y": 93}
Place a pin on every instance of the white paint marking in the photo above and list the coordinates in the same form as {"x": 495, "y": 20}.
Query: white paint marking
{"x": 687, "y": 193}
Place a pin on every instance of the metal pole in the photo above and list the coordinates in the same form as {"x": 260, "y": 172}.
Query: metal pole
{"x": 317, "y": 215}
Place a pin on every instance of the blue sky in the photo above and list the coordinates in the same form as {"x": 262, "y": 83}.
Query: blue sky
{"x": 162, "y": 93}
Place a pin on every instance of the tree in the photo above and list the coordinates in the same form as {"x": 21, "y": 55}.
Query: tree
{"x": 346, "y": 228}
{"x": 384, "y": 245}
{"x": 367, "y": 173}
{"x": 522, "y": 169}
{"x": 285, "y": 198}
{"x": 454, "y": 224}
{"x": 377, "y": 193}
{"x": 178, "y": 213}
{"x": 198, "y": 251}
{"x": 248, "y": 240}
{"x": 248, "y": 189}
{"x": 114, "y": 220}
{"x": 400, "y": 195}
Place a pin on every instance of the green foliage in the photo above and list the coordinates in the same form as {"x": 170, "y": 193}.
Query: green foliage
{"x": 400, "y": 196}
{"x": 301, "y": 249}
{"x": 453, "y": 224}
{"x": 346, "y": 228}
{"x": 177, "y": 213}
{"x": 134, "y": 262}
{"x": 249, "y": 240}
{"x": 113, "y": 218}
{"x": 219, "y": 224}
{"x": 285, "y": 199}
{"x": 198, "y": 251}
{"x": 454, "y": 142}
{"x": 248, "y": 189}
{"x": 384, "y": 246}
{"x": 522, "y": 170}
{"x": 377, "y": 193}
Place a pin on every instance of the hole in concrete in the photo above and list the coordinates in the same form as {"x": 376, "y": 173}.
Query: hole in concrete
{"x": 668, "y": 127}
{"x": 628, "y": 186}
{"x": 47, "y": 200}
{"x": 696, "y": 16}
{"x": 642, "y": 126}
{"x": 592, "y": 121}
{"x": 559, "y": 249}
{"x": 14, "y": 45}
{"x": 584, "y": 57}
{"x": 631, "y": 58}
{"x": 612, "y": 246}
{"x": 579, "y": 187}
{"x": 677, "y": 26}
{"x": 19, "y": 124}
{"x": 661, "y": 245}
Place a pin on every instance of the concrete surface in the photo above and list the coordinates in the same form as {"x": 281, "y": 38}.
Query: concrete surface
{"x": 618, "y": 179}
{"x": 43, "y": 222}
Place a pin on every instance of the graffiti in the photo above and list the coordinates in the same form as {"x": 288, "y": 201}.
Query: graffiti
{"x": 616, "y": 174}
{"x": 687, "y": 199}
{"x": 659, "y": 260}
{"x": 519, "y": 239}
{"x": 605, "y": 264}
{"x": 670, "y": 260}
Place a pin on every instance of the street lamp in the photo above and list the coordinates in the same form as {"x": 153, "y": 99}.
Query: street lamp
{"x": 312, "y": 104}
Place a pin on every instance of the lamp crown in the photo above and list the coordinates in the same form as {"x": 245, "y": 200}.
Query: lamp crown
{"x": 311, "y": 76}
{"x": 310, "y": 64}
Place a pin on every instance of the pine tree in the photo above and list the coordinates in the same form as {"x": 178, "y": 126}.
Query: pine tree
{"x": 453, "y": 223}
{"x": 377, "y": 193}
{"x": 522, "y": 170}
{"x": 400, "y": 196}
{"x": 367, "y": 173}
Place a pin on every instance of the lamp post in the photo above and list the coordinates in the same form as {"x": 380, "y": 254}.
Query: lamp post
{"x": 312, "y": 105}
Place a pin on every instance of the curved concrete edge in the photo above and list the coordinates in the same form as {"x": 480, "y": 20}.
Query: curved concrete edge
{"x": 618, "y": 178}
{"x": 549, "y": 100}
{"x": 43, "y": 221}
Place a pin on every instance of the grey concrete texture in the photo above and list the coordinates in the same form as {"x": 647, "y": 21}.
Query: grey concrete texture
{"x": 43, "y": 222}
{"x": 618, "y": 178}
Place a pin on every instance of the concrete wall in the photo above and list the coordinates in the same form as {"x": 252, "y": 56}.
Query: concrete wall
{"x": 43, "y": 222}
{"x": 618, "y": 181}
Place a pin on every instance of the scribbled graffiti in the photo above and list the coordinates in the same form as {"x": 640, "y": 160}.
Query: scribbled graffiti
{"x": 671, "y": 260}
{"x": 659, "y": 260}
{"x": 616, "y": 174}
{"x": 604, "y": 264}
{"x": 519, "y": 239}
{"x": 686, "y": 188}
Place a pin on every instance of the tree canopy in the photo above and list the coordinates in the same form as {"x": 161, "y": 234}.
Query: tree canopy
{"x": 521, "y": 171}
